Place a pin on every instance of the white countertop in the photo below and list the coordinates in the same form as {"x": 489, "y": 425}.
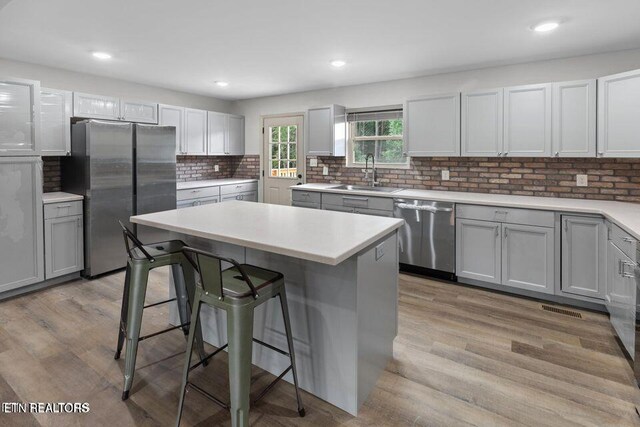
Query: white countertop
{"x": 188, "y": 185}
{"x": 322, "y": 236}
{"x": 60, "y": 197}
{"x": 625, "y": 215}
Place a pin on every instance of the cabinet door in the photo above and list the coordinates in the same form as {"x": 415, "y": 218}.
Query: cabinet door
{"x": 432, "y": 125}
{"x": 478, "y": 250}
{"x": 482, "y": 124}
{"x": 338, "y": 208}
{"x": 527, "y": 121}
{"x": 195, "y": 122}
{"x": 19, "y": 117}
{"x": 326, "y": 131}
{"x": 96, "y": 106}
{"x": 621, "y": 296}
{"x": 137, "y": 111}
{"x": 618, "y": 113}
{"x": 168, "y": 115}
{"x": 217, "y": 131}
{"x": 250, "y": 196}
{"x": 21, "y": 223}
{"x": 55, "y": 122}
{"x": 584, "y": 245}
{"x": 235, "y": 135}
{"x": 64, "y": 252}
{"x": 574, "y": 119}
{"x": 528, "y": 257}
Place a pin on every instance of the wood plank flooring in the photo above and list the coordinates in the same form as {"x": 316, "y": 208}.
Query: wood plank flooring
{"x": 463, "y": 356}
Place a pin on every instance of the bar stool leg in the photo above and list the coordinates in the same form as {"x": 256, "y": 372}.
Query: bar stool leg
{"x": 287, "y": 327}
{"x": 189, "y": 279}
{"x": 195, "y": 319}
{"x": 122, "y": 327}
{"x": 137, "y": 292}
{"x": 240, "y": 337}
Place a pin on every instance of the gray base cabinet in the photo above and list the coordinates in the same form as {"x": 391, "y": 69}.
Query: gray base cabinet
{"x": 64, "y": 245}
{"x": 528, "y": 257}
{"x": 584, "y": 247}
{"x": 479, "y": 250}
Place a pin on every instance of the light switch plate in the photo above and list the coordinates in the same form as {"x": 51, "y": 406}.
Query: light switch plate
{"x": 216, "y": 168}
{"x": 582, "y": 180}
{"x": 325, "y": 170}
{"x": 445, "y": 175}
{"x": 313, "y": 162}
{"x": 379, "y": 251}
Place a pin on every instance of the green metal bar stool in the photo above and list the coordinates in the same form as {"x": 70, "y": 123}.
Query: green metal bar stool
{"x": 233, "y": 290}
{"x": 142, "y": 259}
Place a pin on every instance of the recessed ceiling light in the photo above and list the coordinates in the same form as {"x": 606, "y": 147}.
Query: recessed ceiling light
{"x": 338, "y": 63}
{"x": 222, "y": 84}
{"x": 101, "y": 55}
{"x": 543, "y": 27}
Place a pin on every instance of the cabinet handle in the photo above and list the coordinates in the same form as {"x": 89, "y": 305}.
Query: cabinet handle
{"x": 505, "y": 153}
{"x": 629, "y": 240}
{"x": 499, "y": 153}
{"x": 506, "y": 233}
{"x": 359, "y": 199}
{"x": 79, "y": 223}
{"x": 497, "y": 231}
{"x": 63, "y": 206}
{"x": 557, "y": 154}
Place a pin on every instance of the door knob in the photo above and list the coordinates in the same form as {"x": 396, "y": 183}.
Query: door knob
{"x": 299, "y": 176}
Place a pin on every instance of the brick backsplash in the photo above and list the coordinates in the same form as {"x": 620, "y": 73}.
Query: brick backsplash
{"x": 51, "y": 174}
{"x": 609, "y": 179}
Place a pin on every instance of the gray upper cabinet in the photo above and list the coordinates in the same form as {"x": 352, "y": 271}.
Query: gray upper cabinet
{"x": 619, "y": 115}
{"x": 574, "y": 119}
{"x": 96, "y": 106}
{"x": 527, "y": 121}
{"x": 482, "y": 123}
{"x": 225, "y": 134}
{"x": 64, "y": 239}
{"x": 55, "y": 122}
{"x": 432, "y": 125}
{"x": 21, "y": 223}
{"x": 19, "y": 117}
{"x": 195, "y": 133}
{"x": 528, "y": 257}
{"x": 479, "y": 250}
{"x": 584, "y": 246}
{"x": 235, "y": 135}
{"x": 169, "y": 115}
{"x": 138, "y": 111}
{"x": 327, "y": 131}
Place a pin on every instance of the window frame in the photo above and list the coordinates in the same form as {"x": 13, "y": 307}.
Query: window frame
{"x": 351, "y": 138}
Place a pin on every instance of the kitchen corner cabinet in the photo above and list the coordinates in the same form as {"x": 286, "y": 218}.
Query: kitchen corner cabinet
{"x": 64, "y": 239}
{"x": 584, "y": 246}
{"x": 528, "y": 257}
{"x": 55, "y": 121}
{"x": 225, "y": 134}
{"x": 21, "y": 227}
{"x": 432, "y": 125}
{"x": 195, "y": 132}
{"x": 527, "y": 121}
{"x": 619, "y": 115}
{"x": 621, "y": 295}
{"x": 110, "y": 108}
{"x": 169, "y": 115}
{"x": 327, "y": 131}
{"x": 19, "y": 117}
{"x": 574, "y": 119}
{"x": 482, "y": 123}
{"x": 479, "y": 250}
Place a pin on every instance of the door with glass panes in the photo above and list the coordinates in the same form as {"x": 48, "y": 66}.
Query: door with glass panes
{"x": 283, "y": 158}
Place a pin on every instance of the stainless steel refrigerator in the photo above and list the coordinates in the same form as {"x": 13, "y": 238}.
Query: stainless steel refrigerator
{"x": 122, "y": 169}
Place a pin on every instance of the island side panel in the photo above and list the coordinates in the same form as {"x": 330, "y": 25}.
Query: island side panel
{"x": 377, "y": 302}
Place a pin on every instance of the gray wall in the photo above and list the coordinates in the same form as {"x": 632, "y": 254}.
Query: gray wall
{"x": 395, "y": 92}
{"x": 57, "y": 78}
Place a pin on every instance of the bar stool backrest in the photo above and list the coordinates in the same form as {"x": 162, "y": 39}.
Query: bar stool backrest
{"x": 130, "y": 237}
{"x": 209, "y": 266}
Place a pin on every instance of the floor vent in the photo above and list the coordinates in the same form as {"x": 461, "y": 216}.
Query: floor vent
{"x": 563, "y": 311}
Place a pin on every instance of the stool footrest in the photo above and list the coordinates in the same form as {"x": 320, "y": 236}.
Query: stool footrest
{"x": 270, "y": 386}
{"x": 208, "y": 357}
{"x": 208, "y": 395}
{"x": 163, "y": 331}
{"x": 271, "y": 347}
{"x": 159, "y": 303}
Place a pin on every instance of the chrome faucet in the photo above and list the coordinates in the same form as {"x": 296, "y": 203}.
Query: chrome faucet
{"x": 373, "y": 169}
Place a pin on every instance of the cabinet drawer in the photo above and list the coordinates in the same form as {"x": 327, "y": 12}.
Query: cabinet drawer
{"x": 197, "y": 202}
{"x": 238, "y": 188}
{"x": 305, "y": 205}
{"x": 305, "y": 196}
{"x": 197, "y": 193}
{"x": 623, "y": 240}
{"x": 59, "y": 210}
{"x": 374, "y": 212}
{"x": 512, "y": 216}
{"x": 379, "y": 203}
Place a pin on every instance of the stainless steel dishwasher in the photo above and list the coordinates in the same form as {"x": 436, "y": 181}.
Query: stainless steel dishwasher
{"x": 427, "y": 239}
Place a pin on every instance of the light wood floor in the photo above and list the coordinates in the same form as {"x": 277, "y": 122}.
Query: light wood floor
{"x": 463, "y": 356}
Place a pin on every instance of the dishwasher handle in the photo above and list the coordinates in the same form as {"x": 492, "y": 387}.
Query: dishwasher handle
{"x": 422, "y": 208}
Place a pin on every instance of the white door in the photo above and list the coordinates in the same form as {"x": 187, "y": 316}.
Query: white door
{"x": 96, "y": 106}
{"x": 432, "y": 125}
{"x": 137, "y": 111}
{"x": 55, "y": 124}
{"x": 574, "y": 119}
{"x": 235, "y": 135}
{"x": 217, "y": 128}
{"x": 173, "y": 116}
{"x": 527, "y": 121}
{"x": 283, "y": 157}
{"x": 19, "y": 116}
{"x": 482, "y": 123}
{"x": 195, "y": 123}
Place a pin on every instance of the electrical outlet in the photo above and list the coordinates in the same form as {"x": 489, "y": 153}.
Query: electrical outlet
{"x": 445, "y": 175}
{"x": 380, "y": 251}
{"x": 216, "y": 168}
{"x": 582, "y": 180}
{"x": 325, "y": 170}
{"x": 313, "y": 162}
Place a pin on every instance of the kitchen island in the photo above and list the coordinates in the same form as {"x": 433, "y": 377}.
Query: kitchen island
{"x": 341, "y": 275}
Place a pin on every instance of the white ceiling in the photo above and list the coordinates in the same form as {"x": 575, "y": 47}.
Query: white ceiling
{"x": 267, "y": 47}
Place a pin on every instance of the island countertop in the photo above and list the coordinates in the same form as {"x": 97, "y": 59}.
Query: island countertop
{"x": 315, "y": 235}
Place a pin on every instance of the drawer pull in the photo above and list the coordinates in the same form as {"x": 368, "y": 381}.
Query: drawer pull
{"x": 63, "y": 206}
{"x": 629, "y": 240}
{"x": 358, "y": 199}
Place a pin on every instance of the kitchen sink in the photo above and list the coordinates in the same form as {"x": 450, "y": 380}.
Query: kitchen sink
{"x": 366, "y": 188}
